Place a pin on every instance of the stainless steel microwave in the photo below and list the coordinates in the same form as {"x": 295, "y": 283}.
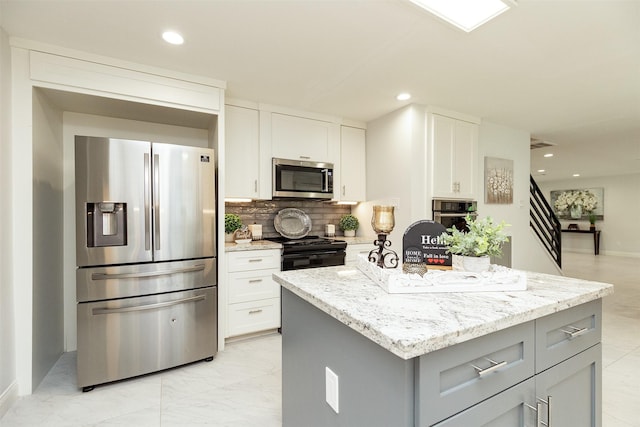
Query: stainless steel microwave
{"x": 302, "y": 179}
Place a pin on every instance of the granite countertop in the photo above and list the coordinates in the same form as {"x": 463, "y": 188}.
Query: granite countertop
{"x": 266, "y": 244}
{"x": 356, "y": 240}
{"x": 253, "y": 246}
{"x": 411, "y": 325}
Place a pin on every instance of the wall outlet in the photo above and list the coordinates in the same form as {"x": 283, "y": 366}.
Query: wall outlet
{"x": 331, "y": 389}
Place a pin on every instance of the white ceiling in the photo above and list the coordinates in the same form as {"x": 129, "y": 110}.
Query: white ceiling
{"x": 566, "y": 71}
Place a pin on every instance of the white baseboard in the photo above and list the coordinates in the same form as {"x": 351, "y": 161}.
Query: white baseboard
{"x": 8, "y": 398}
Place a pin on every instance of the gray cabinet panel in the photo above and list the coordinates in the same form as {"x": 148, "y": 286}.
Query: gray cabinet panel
{"x": 455, "y": 378}
{"x": 507, "y": 409}
{"x": 561, "y": 335}
{"x": 575, "y": 389}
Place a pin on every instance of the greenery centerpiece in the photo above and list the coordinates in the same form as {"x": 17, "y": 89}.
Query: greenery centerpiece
{"x": 481, "y": 239}
{"x": 349, "y": 224}
{"x": 576, "y": 202}
{"x": 232, "y": 222}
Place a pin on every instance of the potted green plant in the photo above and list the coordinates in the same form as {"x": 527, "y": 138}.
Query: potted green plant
{"x": 472, "y": 247}
{"x": 592, "y": 221}
{"x": 232, "y": 222}
{"x": 349, "y": 224}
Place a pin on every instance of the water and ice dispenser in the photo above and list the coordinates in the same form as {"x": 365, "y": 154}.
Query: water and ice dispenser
{"x": 106, "y": 224}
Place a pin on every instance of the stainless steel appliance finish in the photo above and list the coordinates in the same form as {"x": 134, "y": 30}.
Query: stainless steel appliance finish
{"x": 167, "y": 197}
{"x": 123, "y": 281}
{"x": 127, "y": 337}
{"x": 302, "y": 179}
{"x": 311, "y": 252}
{"x": 145, "y": 251}
{"x": 452, "y": 213}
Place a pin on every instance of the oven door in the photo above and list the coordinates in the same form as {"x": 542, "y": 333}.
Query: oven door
{"x": 450, "y": 220}
{"x": 312, "y": 260}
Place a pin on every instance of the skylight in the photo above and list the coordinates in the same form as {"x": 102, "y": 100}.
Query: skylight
{"x": 465, "y": 14}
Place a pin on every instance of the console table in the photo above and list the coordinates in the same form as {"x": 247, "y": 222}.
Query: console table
{"x": 596, "y": 238}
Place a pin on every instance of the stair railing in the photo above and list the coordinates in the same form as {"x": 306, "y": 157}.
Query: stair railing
{"x": 545, "y": 223}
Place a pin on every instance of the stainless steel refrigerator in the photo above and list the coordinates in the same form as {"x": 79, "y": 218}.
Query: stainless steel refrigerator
{"x": 145, "y": 251}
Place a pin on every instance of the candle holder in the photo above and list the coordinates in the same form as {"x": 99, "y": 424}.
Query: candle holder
{"x": 383, "y": 222}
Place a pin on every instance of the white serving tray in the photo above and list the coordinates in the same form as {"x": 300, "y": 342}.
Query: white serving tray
{"x": 394, "y": 281}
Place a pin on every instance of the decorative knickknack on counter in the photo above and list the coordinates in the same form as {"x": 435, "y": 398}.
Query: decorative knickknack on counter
{"x": 482, "y": 238}
{"x": 476, "y": 264}
{"x": 394, "y": 281}
{"x": 383, "y": 222}
{"x": 232, "y": 223}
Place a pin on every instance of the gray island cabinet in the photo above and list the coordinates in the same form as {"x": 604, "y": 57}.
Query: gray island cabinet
{"x": 354, "y": 355}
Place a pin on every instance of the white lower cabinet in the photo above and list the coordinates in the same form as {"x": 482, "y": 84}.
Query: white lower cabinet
{"x": 253, "y": 301}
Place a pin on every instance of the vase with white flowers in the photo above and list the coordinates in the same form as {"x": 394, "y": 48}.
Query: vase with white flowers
{"x": 576, "y": 203}
{"x": 472, "y": 247}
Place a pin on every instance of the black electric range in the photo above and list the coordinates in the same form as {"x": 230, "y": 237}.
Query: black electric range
{"x": 310, "y": 252}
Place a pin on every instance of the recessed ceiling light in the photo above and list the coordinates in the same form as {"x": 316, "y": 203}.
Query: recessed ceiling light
{"x": 403, "y": 96}
{"x": 576, "y": 174}
{"x": 172, "y": 37}
{"x": 541, "y": 170}
{"x": 465, "y": 14}
{"x": 549, "y": 155}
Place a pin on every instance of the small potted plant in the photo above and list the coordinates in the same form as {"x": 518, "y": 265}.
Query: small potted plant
{"x": 471, "y": 248}
{"x": 349, "y": 224}
{"x": 592, "y": 221}
{"x": 232, "y": 222}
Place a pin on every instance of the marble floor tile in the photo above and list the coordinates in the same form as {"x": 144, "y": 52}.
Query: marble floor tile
{"x": 242, "y": 385}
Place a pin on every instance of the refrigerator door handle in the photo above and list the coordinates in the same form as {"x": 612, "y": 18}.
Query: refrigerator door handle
{"x": 98, "y": 311}
{"x": 107, "y": 276}
{"x": 156, "y": 201}
{"x": 147, "y": 203}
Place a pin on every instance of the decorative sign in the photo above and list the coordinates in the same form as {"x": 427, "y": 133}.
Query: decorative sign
{"x": 421, "y": 243}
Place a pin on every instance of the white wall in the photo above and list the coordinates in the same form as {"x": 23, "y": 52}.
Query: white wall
{"x": 397, "y": 174}
{"x": 620, "y": 231}
{"x": 506, "y": 143}
{"x": 92, "y": 125}
{"x": 8, "y": 388}
{"x": 48, "y": 326}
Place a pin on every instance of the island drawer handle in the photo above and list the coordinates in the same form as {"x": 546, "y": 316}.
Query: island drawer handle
{"x": 255, "y": 280}
{"x": 255, "y": 311}
{"x": 538, "y": 411}
{"x": 575, "y": 332}
{"x": 494, "y": 367}
{"x": 255, "y": 260}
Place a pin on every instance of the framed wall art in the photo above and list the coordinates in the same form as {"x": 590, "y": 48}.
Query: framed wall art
{"x": 578, "y": 203}
{"x": 498, "y": 180}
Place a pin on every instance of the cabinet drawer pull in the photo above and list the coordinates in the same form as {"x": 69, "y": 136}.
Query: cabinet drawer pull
{"x": 494, "y": 367}
{"x": 575, "y": 332}
{"x": 255, "y": 311}
{"x": 255, "y": 280}
{"x": 305, "y": 157}
{"x": 256, "y": 260}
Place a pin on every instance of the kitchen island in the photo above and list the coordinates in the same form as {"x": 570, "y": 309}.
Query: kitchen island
{"x": 449, "y": 359}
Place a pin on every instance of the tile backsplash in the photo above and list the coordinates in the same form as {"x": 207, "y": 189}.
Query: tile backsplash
{"x": 264, "y": 211}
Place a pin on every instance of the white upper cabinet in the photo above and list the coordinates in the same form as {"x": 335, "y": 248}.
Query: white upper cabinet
{"x": 242, "y": 156}
{"x": 299, "y": 138}
{"x": 453, "y": 157}
{"x": 352, "y": 186}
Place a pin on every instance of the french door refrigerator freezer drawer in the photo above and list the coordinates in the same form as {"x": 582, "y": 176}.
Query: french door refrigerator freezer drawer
{"x": 121, "y": 281}
{"x": 125, "y": 338}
